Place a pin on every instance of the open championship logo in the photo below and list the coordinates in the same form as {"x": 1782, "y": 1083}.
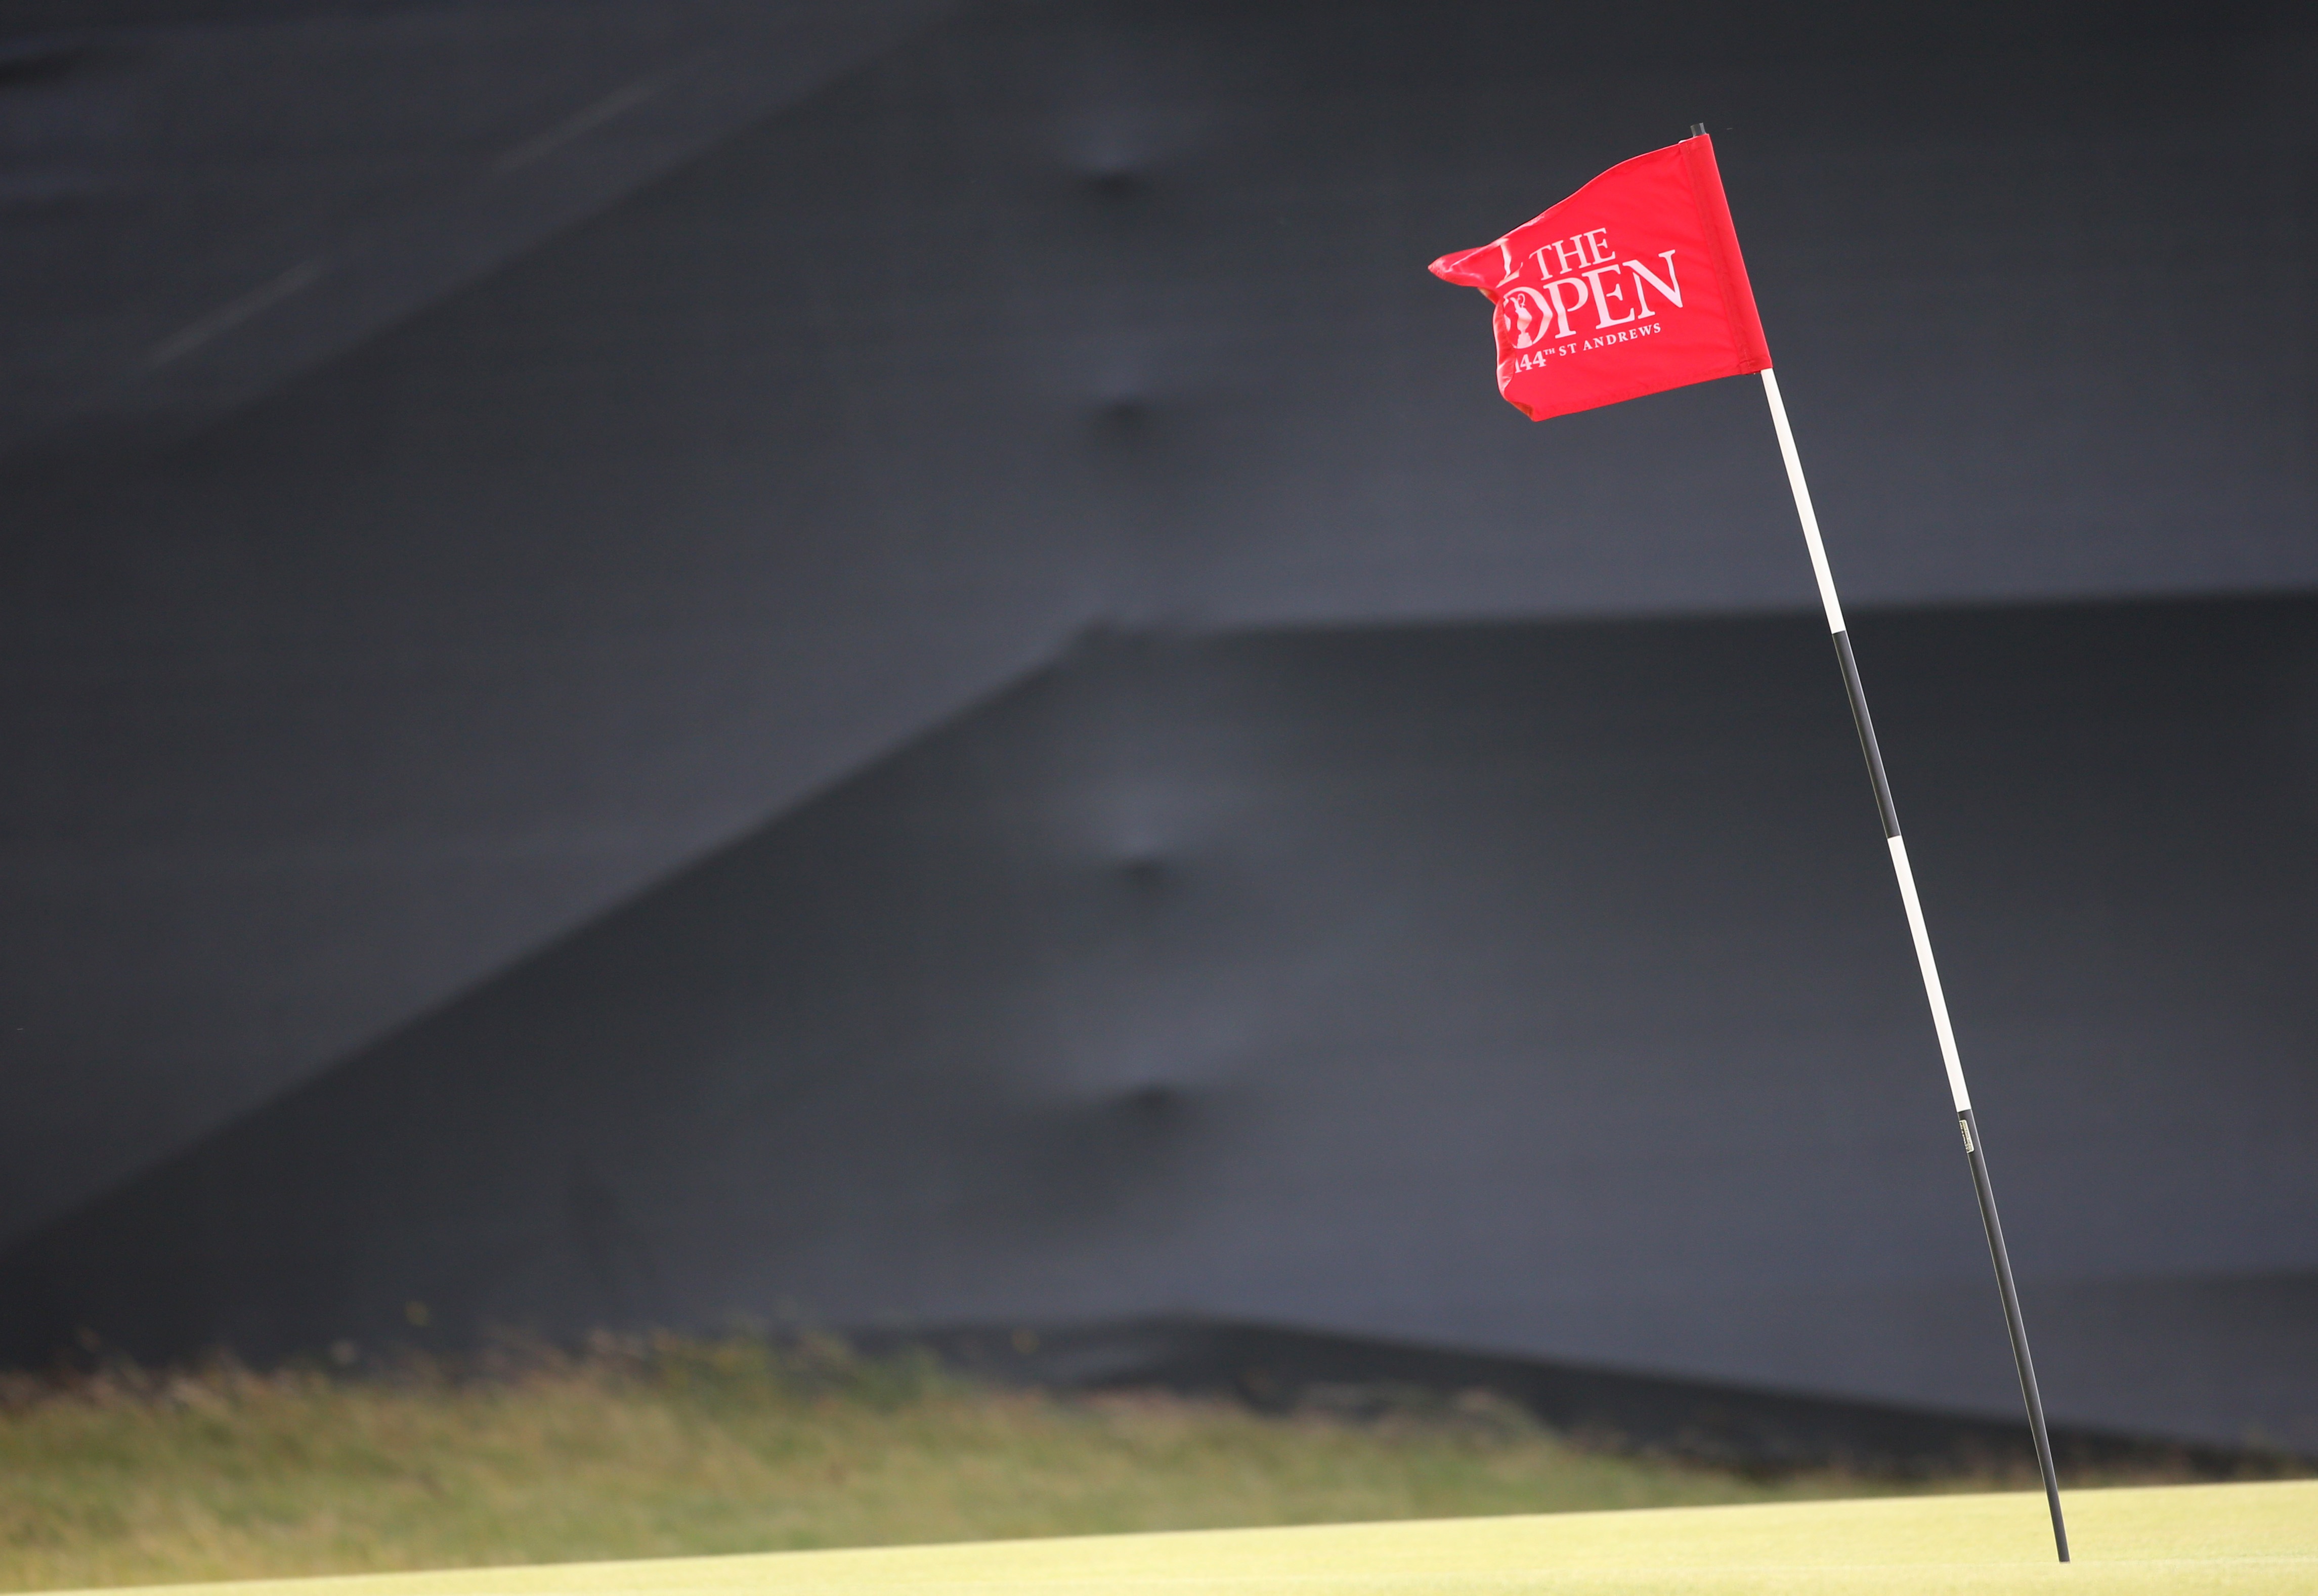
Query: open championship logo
{"x": 1577, "y": 275}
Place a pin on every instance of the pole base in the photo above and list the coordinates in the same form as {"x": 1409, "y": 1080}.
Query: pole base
{"x": 2029, "y": 1395}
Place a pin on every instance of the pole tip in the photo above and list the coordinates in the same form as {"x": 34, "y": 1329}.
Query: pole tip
{"x": 1698, "y": 129}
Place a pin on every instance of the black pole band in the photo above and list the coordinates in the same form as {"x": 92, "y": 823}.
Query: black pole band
{"x": 2029, "y": 1395}
{"x": 1865, "y": 727}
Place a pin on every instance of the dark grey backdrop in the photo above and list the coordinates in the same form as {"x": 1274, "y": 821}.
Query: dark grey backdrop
{"x": 468, "y": 465}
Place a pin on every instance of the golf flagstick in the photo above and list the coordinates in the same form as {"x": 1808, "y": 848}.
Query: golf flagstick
{"x": 1646, "y": 259}
{"x": 1965, "y": 1122}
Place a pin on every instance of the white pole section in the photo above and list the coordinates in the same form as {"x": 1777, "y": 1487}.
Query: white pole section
{"x": 1939, "y": 1002}
{"x": 1802, "y": 502}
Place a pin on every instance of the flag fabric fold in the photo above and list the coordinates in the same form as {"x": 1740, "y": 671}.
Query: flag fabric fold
{"x": 1632, "y": 285}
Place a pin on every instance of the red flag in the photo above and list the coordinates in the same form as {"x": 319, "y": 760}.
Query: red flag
{"x": 1630, "y": 285}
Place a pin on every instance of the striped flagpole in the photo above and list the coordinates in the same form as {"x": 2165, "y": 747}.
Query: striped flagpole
{"x": 1965, "y": 1122}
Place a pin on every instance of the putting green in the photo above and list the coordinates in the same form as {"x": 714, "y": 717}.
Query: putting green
{"x": 2178, "y": 1539}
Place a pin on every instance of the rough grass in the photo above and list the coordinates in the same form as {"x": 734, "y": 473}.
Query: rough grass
{"x": 673, "y": 1447}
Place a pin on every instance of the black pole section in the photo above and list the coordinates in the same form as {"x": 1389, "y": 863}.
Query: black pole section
{"x": 1864, "y": 725}
{"x": 2030, "y": 1397}
{"x": 2013, "y": 1322}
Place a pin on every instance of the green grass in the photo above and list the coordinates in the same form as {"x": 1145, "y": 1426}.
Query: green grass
{"x": 675, "y": 1447}
{"x": 2253, "y": 1539}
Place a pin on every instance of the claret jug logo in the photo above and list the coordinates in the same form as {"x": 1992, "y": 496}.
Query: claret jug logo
{"x": 1580, "y": 296}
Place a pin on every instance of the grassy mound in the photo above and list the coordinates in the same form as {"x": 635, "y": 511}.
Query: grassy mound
{"x": 671, "y": 1448}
